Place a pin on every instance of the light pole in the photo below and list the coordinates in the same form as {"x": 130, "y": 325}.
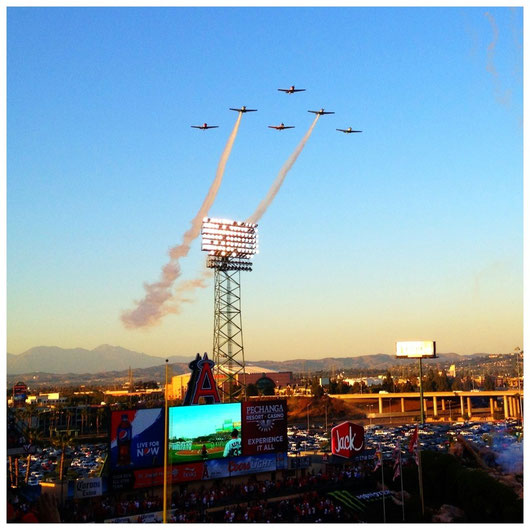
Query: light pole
{"x": 230, "y": 246}
{"x": 518, "y": 352}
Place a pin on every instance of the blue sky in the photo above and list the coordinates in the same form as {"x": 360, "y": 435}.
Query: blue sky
{"x": 410, "y": 230}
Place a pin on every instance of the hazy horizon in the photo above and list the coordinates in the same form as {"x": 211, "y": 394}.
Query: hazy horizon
{"x": 314, "y": 356}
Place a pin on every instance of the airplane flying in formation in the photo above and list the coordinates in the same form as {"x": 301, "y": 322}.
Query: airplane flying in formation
{"x": 205, "y": 126}
{"x": 281, "y": 127}
{"x": 348, "y": 130}
{"x": 244, "y": 109}
{"x": 291, "y": 90}
{"x": 321, "y": 111}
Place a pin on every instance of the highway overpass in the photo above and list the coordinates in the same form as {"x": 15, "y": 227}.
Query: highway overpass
{"x": 439, "y": 405}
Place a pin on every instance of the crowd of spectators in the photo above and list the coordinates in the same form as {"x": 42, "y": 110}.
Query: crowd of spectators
{"x": 300, "y": 498}
{"x": 25, "y": 507}
{"x": 97, "y": 509}
{"x": 310, "y": 508}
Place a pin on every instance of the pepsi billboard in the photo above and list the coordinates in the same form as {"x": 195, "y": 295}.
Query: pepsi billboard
{"x": 136, "y": 439}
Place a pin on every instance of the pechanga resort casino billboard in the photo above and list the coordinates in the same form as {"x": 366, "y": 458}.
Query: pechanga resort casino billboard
{"x": 137, "y": 439}
{"x": 264, "y": 426}
{"x": 204, "y": 432}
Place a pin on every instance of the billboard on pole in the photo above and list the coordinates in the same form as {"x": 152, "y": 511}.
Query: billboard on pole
{"x": 416, "y": 349}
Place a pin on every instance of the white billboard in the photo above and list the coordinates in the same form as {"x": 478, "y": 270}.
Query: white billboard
{"x": 88, "y": 487}
{"x": 416, "y": 349}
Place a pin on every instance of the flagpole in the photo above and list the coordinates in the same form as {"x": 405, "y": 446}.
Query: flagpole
{"x": 383, "y": 481}
{"x": 402, "y": 494}
{"x": 420, "y": 477}
{"x": 422, "y": 412}
{"x": 165, "y": 450}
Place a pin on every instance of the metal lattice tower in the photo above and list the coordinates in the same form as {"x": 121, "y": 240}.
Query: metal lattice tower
{"x": 230, "y": 245}
{"x": 228, "y": 351}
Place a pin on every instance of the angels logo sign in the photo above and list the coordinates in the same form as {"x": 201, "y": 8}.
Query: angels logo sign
{"x": 264, "y": 426}
{"x": 347, "y": 439}
{"x": 202, "y": 382}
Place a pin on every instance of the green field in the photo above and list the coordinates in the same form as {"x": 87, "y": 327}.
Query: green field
{"x": 195, "y": 453}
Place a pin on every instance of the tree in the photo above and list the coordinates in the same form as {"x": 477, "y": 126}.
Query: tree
{"x": 428, "y": 383}
{"x": 489, "y": 383}
{"x": 408, "y": 387}
{"x": 457, "y": 384}
{"x": 252, "y": 390}
{"x": 442, "y": 382}
{"x": 34, "y": 438}
{"x": 343, "y": 388}
{"x": 388, "y": 383}
{"x": 359, "y": 387}
{"x": 467, "y": 383}
{"x": 62, "y": 440}
{"x": 316, "y": 389}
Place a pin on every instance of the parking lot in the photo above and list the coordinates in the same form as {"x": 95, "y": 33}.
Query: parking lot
{"x": 500, "y": 436}
{"x": 503, "y": 437}
{"x": 81, "y": 461}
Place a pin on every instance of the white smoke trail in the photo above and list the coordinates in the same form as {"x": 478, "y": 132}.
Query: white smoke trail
{"x": 152, "y": 308}
{"x": 502, "y": 96}
{"x": 264, "y": 204}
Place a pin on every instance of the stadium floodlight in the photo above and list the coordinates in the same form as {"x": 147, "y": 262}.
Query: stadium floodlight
{"x": 230, "y": 246}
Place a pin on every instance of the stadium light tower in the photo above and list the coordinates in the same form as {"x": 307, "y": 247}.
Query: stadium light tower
{"x": 230, "y": 246}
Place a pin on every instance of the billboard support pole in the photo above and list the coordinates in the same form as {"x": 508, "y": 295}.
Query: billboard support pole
{"x": 422, "y": 413}
{"x": 165, "y": 448}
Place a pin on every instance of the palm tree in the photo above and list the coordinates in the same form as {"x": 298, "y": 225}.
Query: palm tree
{"x": 34, "y": 438}
{"x": 99, "y": 416}
{"x": 62, "y": 440}
{"x": 84, "y": 418}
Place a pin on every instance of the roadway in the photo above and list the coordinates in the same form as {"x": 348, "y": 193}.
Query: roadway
{"x": 505, "y": 403}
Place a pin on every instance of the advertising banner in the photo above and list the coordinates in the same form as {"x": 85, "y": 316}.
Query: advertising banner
{"x": 300, "y": 462}
{"x": 146, "y": 478}
{"x": 136, "y": 439}
{"x": 347, "y": 439}
{"x": 122, "y": 481}
{"x": 204, "y": 432}
{"x": 88, "y": 487}
{"x": 150, "y": 478}
{"x": 264, "y": 426}
{"x": 243, "y": 465}
{"x": 416, "y": 349}
{"x": 151, "y": 517}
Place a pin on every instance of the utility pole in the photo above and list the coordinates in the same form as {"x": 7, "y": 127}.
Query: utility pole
{"x": 422, "y": 414}
{"x": 166, "y": 428}
{"x": 518, "y": 352}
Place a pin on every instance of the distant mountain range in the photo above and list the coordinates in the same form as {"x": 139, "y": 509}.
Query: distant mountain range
{"x": 107, "y": 358}
{"x": 104, "y": 358}
{"x": 378, "y": 361}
